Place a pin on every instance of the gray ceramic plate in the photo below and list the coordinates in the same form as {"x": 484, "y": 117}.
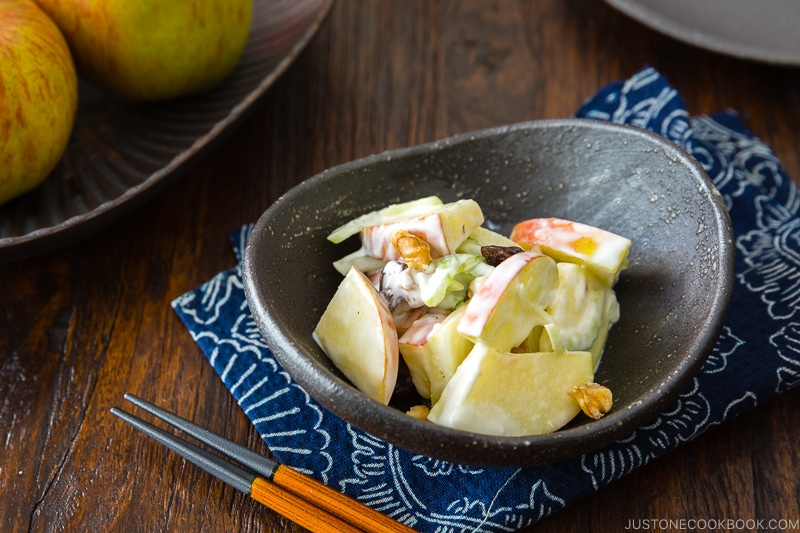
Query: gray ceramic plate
{"x": 766, "y": 31}
{"x": 673, "y": 297}
{"x": 121, "y": 154}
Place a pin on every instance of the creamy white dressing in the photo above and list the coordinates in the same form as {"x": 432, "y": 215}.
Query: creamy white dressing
{"x": 396, "y": 284}
{"x": 446, "y": 276}
{"x": 377, "y": 240}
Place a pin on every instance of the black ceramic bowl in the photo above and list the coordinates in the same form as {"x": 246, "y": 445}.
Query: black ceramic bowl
{"x": 673, "y": 296}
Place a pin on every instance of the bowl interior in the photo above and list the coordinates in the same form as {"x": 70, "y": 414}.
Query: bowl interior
{"x": 673, "y": 296}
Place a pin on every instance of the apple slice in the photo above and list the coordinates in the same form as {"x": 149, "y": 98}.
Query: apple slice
{"x": 577, "y": 306}
{"x": 357, "y": 333}
{"x": 603, "y": 252}
{"x": 361, "y": 261}
{"x": 609, "y": 318}
{"x": 584, "y": 309}
{"x": 388, "y": 214}
{"x": 510, "y": 301}
{"x": 405, "y": 316}
{"x": 433, "y": 349}
{"x": 416, "y": 350}
{"x": 444, "y": 228}
{"x": 513, "y": 394}
{"x": 583, "y": 312}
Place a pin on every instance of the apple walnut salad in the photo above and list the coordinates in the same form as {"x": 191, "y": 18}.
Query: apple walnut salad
{"x": 501, "y": 335}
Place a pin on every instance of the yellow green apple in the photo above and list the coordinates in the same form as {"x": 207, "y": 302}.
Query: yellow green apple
{"x": 38, "y": 96}
{"x": 153, "y": 49}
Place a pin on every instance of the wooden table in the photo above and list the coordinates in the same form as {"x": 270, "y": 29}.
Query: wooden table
{"x": 85, "y": 324}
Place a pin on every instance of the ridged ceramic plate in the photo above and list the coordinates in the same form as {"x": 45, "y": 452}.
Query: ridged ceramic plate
{"x": 122, "y": 154}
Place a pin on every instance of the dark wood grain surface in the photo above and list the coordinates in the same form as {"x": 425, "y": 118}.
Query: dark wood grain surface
{"x": 81, "y": 326}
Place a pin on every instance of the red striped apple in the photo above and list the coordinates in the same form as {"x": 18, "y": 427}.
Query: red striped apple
{"x": 38, "y": 96}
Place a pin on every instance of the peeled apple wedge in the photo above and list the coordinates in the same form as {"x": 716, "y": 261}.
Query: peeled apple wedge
{"x": 432, "y": 350}
{"x": 513, "y": 394}
{"x": 444, "y": 228}
{"x": 357, "y": 333}
{"x": 510, "y": 301}
{"x": 603, "y": 252}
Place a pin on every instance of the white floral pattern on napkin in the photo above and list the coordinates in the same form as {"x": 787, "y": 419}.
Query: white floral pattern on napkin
{"x": 755, "y": 358}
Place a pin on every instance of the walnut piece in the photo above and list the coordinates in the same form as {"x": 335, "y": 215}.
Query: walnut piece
{"x": 595, "y": 400}
{"x": 415, "y": 251}
{"x": 419, "y": 411}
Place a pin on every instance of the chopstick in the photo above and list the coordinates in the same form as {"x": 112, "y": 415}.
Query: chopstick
{"x": 296, "y": 496}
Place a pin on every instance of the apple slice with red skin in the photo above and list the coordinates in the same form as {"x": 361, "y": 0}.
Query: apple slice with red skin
{"x": 510, "y": 301}
{"x": 432, "y": 349}
{"x": 604, "y": 253}
{"x": 357, "y": 333}
{"x": 513, "y": 394}
{"x": 444, "y": 228}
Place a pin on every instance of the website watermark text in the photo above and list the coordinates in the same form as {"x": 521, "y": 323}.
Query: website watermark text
{"x": 713, "y": 524}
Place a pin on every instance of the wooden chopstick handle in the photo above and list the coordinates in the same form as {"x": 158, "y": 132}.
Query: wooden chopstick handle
{"x": 300, "y": 511}
{"x": 337, "y": 503}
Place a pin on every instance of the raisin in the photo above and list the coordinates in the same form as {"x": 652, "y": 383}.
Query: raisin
{"x": 495, "y": 255}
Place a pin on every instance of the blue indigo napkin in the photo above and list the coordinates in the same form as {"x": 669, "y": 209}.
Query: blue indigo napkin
{"x": 755, "y": 358}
